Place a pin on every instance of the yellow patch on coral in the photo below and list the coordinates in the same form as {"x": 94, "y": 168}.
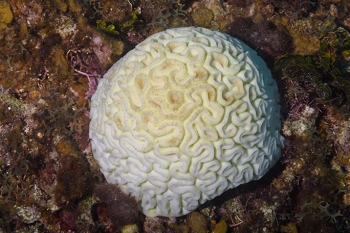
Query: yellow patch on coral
{"x": 61, "y": 5}
{"x": 290, "y": 228}
{"x": 64, "y": 147}
{"x": 306, "y": 45}
{"x": 221, "y": 227}
{"x": 6, "y": 15}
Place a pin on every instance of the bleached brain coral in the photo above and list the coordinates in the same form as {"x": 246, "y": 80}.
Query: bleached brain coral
{"x": 186, "y": 115}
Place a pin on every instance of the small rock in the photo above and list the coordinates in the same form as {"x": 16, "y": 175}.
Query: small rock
{"x": 197, "y": 222}
{"x": 203, "y": 17}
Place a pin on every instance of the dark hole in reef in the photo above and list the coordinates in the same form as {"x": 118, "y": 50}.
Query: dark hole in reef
{"x": 268, "y": 40}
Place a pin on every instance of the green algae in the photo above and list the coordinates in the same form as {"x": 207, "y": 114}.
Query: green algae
{"x": 102, "y": 25}
{"x": 318, "y": 75}
{"x": 110, "y": 28}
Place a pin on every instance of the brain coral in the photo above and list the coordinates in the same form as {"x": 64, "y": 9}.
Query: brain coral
{"x": 186, "y": 115}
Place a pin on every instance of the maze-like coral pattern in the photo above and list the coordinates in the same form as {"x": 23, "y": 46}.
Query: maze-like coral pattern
{"x": 186, "y": 115}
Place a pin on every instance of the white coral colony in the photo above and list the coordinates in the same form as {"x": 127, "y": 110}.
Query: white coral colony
{"x": 186, "y": 115}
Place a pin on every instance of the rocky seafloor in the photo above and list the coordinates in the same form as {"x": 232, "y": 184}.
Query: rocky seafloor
{"x": 52, "y": 55}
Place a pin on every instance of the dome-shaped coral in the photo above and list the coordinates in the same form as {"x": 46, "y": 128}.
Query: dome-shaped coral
{"x": 186, "y": 115}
